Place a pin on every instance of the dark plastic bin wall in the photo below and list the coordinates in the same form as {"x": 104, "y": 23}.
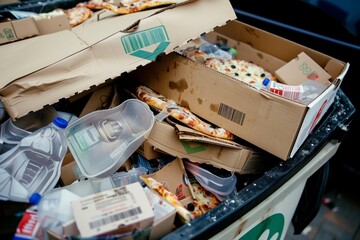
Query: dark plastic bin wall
{"x": 305, "y": 24}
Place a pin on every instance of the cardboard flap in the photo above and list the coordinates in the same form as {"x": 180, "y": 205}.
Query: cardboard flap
{"x": 301, "y": 69}
{"x": 338, "y": 70}
{"x": 70, "y": 62}
{"x": 188, "y": 134}
{"x": 32, "y": 54}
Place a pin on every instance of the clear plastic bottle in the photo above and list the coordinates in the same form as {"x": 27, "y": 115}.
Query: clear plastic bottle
{"x": 53, "y": 211}
{"x": 215, "y": 51}
{"x": 54, "y": 207}
{"x": 304, "y": 93}
{"x": 34, "y": 164}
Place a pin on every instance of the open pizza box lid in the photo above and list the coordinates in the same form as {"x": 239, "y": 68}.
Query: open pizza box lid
{"x": 42, "y": 70}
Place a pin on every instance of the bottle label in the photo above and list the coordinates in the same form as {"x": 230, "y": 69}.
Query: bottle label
{"x": 287, "y": 91}
{"x": 87, "y": 137}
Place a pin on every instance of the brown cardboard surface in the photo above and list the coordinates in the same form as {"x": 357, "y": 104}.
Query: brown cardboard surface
{"x": 17, "y": 29}
{"x": 69, "y": 62}
{"x": 53, "y": 24}
{"x": 300, "y": 69}
{"x": 147, "y": 151}
{"x": 99, "y": 99}
{"x": 164, "y": 138}
{"x": 275, "y": 124}
{"x": 68, "y": 173}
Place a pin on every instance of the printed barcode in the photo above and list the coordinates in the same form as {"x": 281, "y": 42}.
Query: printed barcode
{"x": 141, "y": 39}
{"x": 115, "y": 217}
{"x": 231, "y": 114}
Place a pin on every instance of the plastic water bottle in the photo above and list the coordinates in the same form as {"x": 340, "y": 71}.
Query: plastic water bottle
{"x": 34, "y": 164}
{"x": 215, "y": 51}
{"x": 304, "y": 93}
{"x": 53, "y": 211}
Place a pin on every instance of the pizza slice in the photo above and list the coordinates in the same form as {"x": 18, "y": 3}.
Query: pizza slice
{"x": 132, "y": 6}
{"x": 95, "y": 4}
{"x": 204, "y": 200}
{"x": 170, "y": 197}
{"x": 78, "y": 15}
{"x": 180, "y": 113}
{"x": 247, "y": 72}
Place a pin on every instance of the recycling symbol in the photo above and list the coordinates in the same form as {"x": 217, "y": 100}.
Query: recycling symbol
{"x": 269, "y": 229}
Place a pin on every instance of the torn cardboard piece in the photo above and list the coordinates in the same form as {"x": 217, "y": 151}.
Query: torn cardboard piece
{"x": 188, "y": 134}
{"x": 174, "y": 177}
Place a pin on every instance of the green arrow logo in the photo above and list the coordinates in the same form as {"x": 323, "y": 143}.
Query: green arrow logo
{"x": 135, "y": 43}
{"x": 270, "y": 229}
{"x": 151, "y": 55}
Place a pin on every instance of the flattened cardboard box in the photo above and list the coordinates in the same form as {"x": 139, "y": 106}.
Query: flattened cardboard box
{"x": 275, "y": 124}
{"x": 62, "y": 64}
{"x": 245, "y": 161}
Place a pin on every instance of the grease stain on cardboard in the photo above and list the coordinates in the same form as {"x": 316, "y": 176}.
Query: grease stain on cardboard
{"x": 213, "y": 107}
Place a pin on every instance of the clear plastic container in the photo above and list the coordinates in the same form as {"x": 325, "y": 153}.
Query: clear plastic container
{"x": 83, "y": 188}
{"x": 131, "y": 176}
{"x": 216, "y": 52}
{"x": 34, "y": 164}
{"x": 220, "y": 186}
{"x": 103, "y": 140}
{"x": 11, "y": 132}
{"x": 53, "y": 210}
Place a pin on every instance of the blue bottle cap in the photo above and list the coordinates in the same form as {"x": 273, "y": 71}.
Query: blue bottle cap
{"x": 34, "y": 198}
{"x": 266, "y": 81}
{"x": 60, "y": 122}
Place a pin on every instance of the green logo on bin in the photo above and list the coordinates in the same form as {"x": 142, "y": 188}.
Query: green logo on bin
{"x": 270, "y": 228}
{"x": 135, "y": 43}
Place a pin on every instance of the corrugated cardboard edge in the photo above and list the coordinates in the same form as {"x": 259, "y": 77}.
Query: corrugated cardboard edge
{"x": 19, "y": 98}
{"x": 244, "y": 161}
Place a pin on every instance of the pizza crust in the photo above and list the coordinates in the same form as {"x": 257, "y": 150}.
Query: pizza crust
{"x": 180, "y": 113}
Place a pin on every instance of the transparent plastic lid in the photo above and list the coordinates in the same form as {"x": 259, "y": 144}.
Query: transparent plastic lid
{"x": 220, "y": 186}
{"x": 103, "y": 140}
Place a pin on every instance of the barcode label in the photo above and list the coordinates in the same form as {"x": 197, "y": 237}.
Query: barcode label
{"x": 115, "y": 217}
{"x": 231, "y": 114}
{"x": 135, "y": 41}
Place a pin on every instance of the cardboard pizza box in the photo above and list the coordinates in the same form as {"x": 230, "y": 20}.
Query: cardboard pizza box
{"x": 275, "y": 124}
{"x": 15, "y": 30}
{"x": 65, "y": 63}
